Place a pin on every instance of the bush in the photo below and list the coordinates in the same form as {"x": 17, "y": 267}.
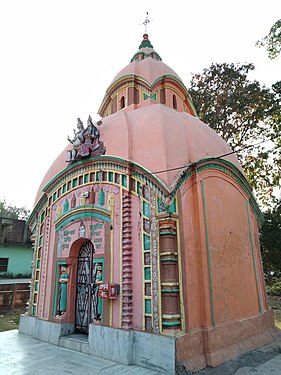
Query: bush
{"x": 274, "y": 289}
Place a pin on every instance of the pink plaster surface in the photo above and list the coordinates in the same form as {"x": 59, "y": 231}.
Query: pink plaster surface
{"x": 234, "y": 288}
{"x": 149, "y": 69}
{"x": 156, "y": 137}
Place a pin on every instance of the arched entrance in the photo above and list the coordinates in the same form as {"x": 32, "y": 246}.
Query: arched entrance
{"x": 84, "y": 287}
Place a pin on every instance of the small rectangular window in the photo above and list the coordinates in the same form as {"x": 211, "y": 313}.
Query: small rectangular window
{"x": 124, "y": 181}
{"x": 86, "y": 178}
{"x": 117, "y": 178}
{"x": 162, "y": 96}
{"x": 133, "y": 184}
{"x": 110, "y": 176}
{"x": 4, "y": 264}
{"x": 104, "y": 176}
{"x": 74, "y": 182}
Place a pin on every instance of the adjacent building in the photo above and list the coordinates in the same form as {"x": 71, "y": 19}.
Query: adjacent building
{"x": 16, "y": 251}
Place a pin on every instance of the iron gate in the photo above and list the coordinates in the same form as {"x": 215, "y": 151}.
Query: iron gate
{"x": 83, "y": 287}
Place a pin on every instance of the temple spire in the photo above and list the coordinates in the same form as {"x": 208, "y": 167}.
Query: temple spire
{"x": 146, "y": 22}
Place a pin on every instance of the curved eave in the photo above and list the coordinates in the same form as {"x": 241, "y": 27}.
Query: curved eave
{"x": 103, "y": 159}
{"x": 169, "y": 192}
{"x": 228, "y": 168}
{"x": 86, "y": 210}
{"x": 126, "y": 77}
{"x": 100, "y": 159}
{"x": 147, "y": 54}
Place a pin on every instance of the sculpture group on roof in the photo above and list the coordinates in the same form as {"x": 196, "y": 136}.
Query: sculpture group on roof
{"x": 86, "y": 141}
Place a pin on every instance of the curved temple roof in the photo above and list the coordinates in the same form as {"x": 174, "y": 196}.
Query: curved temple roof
{"x": 153, "y": 135}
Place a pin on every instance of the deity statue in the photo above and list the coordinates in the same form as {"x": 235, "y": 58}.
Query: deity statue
{"x": 97, "y": 280}
{"x": 91, "y": 138}
{"x": 76, "y": 141}
{"x": 82, "y": 230}
{"x": 63, "y": 281}
{"x": 86, "y": 142}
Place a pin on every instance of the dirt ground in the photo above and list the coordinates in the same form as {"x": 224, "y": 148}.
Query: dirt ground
{"x": 275, "y": 303}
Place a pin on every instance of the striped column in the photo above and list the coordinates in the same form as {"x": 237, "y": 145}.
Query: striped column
{"x": 169, "y": 273}
{"x": 127, "y": 304}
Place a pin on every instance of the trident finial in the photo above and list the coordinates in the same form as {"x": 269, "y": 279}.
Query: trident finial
{"x": 146, "y": 22}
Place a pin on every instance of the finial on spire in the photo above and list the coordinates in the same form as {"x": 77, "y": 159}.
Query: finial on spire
{"x": 146, "y": 22}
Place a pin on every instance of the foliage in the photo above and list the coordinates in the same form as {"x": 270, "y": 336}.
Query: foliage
{"x": 270, "y": 241}
{"x": 243, "y": 113}
{"x": 272, "y": 41}
{"x": 13, "y": 212}
{"x": 9, "y": 320}
{"x": 274, "y": 289}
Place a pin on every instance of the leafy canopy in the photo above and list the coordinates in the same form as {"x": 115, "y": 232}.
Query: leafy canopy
{"x": 272, "y": 41}
{"x": 270, "y": 240}
{"x": 13, "y": 212}
{"x": 243, "y": 113}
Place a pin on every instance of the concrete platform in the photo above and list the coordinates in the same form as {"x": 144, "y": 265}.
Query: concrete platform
{"x": 23, "y": 355}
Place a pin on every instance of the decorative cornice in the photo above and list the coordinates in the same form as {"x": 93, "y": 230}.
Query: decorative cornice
{"x": 167, "y": 194}
{"x": 81, "y": 212}
{"x": 110, "y": 92}
{"x": 147, "y": 54}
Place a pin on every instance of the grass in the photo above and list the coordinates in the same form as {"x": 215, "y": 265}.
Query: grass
{"x": 9, "y": 320}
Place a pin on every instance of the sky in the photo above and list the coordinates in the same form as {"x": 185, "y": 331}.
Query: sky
{"x": 59, "y": 56}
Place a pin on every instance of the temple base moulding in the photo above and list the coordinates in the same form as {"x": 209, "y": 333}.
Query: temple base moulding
{"x": 171, "y": 355}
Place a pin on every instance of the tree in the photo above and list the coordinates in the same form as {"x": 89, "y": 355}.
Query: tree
{"x": 272, "y": 41}
{"x": 13, "y": 212}
{"x": 270, "y": 240}
{"x": 244, "y": 114}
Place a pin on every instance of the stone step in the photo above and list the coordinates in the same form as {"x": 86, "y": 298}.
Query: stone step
{"x": 77, "y": 342}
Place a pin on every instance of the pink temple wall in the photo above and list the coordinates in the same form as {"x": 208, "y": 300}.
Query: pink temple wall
{"x": 233, "y": 276}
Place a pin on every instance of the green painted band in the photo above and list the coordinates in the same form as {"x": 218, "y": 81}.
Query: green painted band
{"x": 83, "y": 214}
{"x": 168, "y": 259}
{"x": 170, "y": 290}
{"x": 253, "y": 256}
{"x": 209, "y": 254}
{"x": 171, "y": 324}
{"x": 165, "y": 233}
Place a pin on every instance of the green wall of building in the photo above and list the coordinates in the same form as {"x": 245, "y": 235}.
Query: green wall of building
{"x": 20, "y": 258}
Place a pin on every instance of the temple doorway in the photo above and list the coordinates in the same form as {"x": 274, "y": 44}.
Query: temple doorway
{"x": 88, "y": 306}
{"x": 84, "y": 287}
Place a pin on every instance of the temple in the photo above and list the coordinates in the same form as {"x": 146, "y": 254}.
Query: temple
{"x": 146, "y": 234}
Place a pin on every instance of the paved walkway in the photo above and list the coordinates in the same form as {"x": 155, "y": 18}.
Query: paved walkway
{"x": 262, "y": 361}
{"x": 22, "y": 355}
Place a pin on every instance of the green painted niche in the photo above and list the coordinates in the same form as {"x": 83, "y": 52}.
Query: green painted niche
{"x": 101, "y": 198}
